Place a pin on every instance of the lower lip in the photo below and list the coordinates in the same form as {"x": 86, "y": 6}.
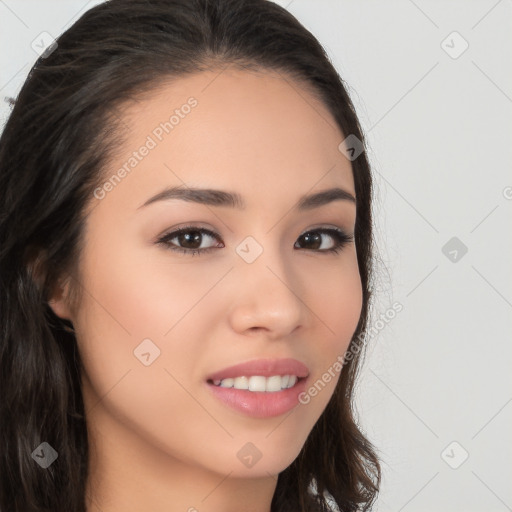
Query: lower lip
{"x": 259, "y": 404}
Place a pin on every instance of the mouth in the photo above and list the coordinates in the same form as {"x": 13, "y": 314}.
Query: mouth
{"x": 256, "y": 402}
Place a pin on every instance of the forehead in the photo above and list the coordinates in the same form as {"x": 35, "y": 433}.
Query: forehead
{"x": 255, "y": 132}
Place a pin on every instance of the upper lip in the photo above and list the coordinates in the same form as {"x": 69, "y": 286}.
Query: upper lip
{"x": 263, "y": 367}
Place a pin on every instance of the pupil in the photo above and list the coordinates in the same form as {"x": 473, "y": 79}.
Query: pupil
{"x": 312, "y": 237}
{"x": 187, "y": 237}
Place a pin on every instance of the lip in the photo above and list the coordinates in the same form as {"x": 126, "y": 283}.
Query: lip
{"x": 260, "y": 404}
{"x": 263, "y": 367}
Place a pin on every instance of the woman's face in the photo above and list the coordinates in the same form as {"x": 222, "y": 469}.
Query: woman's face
{"x": 155, "y": 323}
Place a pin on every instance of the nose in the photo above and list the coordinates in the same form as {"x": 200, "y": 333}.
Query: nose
{"x": 268, "y": 297}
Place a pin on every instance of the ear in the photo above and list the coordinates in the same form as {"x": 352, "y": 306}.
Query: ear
{"x": 58, "y": 299}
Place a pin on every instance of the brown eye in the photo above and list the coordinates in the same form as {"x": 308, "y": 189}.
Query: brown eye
{"x": 314, "y": 238}
{"x": 188, "y": 240}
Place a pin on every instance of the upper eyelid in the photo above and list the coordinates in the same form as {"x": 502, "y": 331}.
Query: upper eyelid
{"x": 175, "y": 232}
{"x": 208, "y": 231}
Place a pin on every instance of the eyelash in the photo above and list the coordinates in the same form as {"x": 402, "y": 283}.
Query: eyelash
{"x": 341, "y": 238}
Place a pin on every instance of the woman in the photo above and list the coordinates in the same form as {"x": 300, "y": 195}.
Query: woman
{"x": 185, "y": 268}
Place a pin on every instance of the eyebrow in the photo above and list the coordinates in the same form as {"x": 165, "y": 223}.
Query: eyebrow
{"x": 214, "y": 197}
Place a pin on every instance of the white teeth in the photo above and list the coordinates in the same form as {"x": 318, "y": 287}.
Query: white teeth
{"x": 259, "y": 383}
{"x": 226, "y": 383}
{"x": 273, "y": 383}
{"x": 241, "y": 383}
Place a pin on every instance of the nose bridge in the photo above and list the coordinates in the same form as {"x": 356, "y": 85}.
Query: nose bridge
{"x": 263, "y": 258}
{"x": 268, "y": 295}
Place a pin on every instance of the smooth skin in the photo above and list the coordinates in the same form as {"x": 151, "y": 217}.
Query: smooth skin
{"x": 159, "y": 439}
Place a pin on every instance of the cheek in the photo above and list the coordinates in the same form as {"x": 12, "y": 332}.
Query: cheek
{"x": 338, "y": 308}
{"x": 143, "y": 292}
{"x": 134, "y": 306}
{"x": 338, "y": 300}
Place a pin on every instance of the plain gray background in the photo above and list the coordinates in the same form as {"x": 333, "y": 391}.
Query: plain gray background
{"x": 434, "y": 395}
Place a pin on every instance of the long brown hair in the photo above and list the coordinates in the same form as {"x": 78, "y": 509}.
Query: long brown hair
{"x": 55, "y": 144}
